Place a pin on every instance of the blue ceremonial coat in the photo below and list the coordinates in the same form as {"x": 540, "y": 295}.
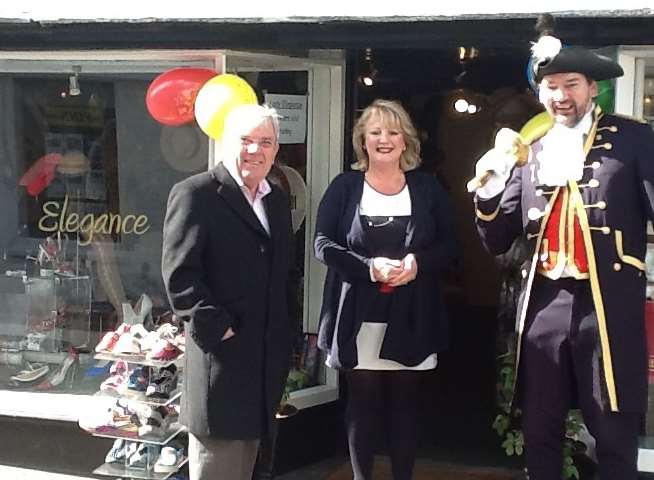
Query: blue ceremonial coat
{"x": 613, "y": 202}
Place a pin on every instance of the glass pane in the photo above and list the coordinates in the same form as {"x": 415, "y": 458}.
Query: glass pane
{"x": 648, "y": 115}
{"x": 84, "y": 181}
{"x": 648, "y": 100}
{"x": 287, "y": 91}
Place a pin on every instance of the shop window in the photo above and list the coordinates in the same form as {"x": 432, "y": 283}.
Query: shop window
{"x": 66, "y": 146}
{"x": 85, "y": 174}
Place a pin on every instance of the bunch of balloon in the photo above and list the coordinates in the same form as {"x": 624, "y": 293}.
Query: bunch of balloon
{"x": 217, "y": 98}
{"x": 170, "y": 98}
{"x": 605, "y": 96}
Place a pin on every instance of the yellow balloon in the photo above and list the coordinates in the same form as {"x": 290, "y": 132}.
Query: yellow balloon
{"x": 217, "y": 98}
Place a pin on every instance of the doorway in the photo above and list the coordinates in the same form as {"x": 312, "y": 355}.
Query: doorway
{"x": 458, "y": 98}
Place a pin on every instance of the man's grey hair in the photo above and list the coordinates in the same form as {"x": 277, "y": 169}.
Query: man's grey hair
{"x": 244, "y": 118}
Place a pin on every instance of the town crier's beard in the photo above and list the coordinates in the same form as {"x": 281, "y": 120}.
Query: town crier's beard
{"x": 567, "y": 96}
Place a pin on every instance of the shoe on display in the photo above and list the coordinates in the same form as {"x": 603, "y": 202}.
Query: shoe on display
{"x": 139, "y": 379}
{"x": 151, "y": 431}
{"x": 120, "y": 450}
{"x": 164, "y": 350}
{"x": 149, "y": 341}
{"x": 149, "y": 416}
{"x": 165, "y": 331}
{"x": 118, "y": 377}
{"x": 168, "y": 459}
{"x": 117, "y": 452}
{"x": 162, "y": 383}
{"x": 119, "y": 367}
{"x": 168, "y": 331}
{"x": 141, "y": 311}
{"x": 139, "y": 331}
{"x": 107, "y": 343}
{"x": 144, "y": 457}
{"x": 114, "y": 382}
{"x": 33, "y": 373}
{"x": 126, "y": 344}
{"x": 66, "y": 372}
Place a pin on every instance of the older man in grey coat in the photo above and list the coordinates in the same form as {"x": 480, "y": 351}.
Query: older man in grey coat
{"x": 227, "y": 266}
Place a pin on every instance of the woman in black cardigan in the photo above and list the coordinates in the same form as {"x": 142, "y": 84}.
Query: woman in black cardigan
{"x": 384, "y": 232}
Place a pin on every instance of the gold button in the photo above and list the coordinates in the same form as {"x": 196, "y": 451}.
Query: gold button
{"x": 595, "y": 165}
{"x": 524, "y": 273}
{"x": 593, "y": 183}
{"x": 608, "y": 146}
{"x": 606, "y": 230}
{"x": 598, "y": 137}
{"x": 601, "y": 205}
{"x": 617, "y": 267}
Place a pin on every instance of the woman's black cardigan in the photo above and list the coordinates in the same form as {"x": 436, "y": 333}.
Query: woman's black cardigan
{"x": 417, "y": 323}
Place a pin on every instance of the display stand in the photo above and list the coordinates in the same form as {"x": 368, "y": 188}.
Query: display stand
{"x": 149, "y": 471}
{"x": 140, "y": 359}
{"x": 120, "y": 471}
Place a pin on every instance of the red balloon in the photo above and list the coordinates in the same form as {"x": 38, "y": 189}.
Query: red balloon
{"x": 171, "y": 96}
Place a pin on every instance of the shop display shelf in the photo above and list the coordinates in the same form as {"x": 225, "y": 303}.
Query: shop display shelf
{"x": 140, "y": 359}
{"x": 119, "y": 470}
{"x": 172, "y": 432}
{"x": 140, "y": 396}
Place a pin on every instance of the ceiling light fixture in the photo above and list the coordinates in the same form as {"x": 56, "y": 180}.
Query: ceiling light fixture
{"x": 73, "y": 82}
{"x": 369, "y": 72}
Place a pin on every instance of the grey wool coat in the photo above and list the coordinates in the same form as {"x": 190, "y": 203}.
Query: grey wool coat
{"x": 221, "y": 269}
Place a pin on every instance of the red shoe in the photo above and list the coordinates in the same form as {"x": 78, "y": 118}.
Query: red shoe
{"x": 110, "y": 338}
{"x": 164, "y": 350}
{"x": 107, "y": 342}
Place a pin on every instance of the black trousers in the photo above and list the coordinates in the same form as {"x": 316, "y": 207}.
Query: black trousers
{"x": 560, "y": 366}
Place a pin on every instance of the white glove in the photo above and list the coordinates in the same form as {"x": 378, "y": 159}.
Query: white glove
{"x": 500, "y": 164}
{"x": 507, "y": 140}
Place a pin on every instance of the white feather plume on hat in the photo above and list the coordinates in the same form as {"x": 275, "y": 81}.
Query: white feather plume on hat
{"x": 544, "y": 50}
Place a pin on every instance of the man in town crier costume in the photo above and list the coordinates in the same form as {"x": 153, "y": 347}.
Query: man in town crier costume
{"x": 582, "y": 201}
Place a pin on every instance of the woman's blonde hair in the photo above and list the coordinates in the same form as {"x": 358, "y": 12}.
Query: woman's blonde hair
{"x": 391, "y": 113}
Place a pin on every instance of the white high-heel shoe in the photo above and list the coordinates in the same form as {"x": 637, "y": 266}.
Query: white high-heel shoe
{"x": 142, "y": 309}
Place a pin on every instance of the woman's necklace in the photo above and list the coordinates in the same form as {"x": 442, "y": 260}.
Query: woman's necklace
{"x": 386, "y": 184}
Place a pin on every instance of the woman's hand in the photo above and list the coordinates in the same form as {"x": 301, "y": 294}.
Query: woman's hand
{"x": 385, "y": 270}
{"x": 408, "y": 271}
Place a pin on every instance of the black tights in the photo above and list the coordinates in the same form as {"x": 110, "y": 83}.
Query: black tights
{"x": 378, "y": 398}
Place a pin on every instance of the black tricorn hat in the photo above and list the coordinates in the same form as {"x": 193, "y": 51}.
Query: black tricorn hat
{"x": 549, "y": 56}
{"x": 579, "y": 60}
